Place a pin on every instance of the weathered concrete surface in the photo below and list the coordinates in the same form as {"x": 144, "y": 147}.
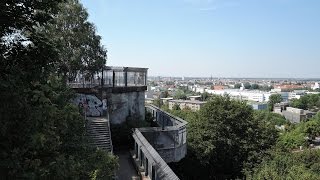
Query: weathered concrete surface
{"x": 123, "y": 105}
{"x": 121, "y": 101}
{"x": 126, "y": 170}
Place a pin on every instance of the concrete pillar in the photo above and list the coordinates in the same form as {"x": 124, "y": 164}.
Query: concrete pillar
{"x": 145, "y": 78}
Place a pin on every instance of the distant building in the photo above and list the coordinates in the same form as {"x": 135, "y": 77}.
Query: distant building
{"x": 296, "y": 115}
{"x": 279, "y": 107}
{"x": 258, "y": 106}
{"x": 289, "y": 87}
{"x": 165, "y": 100}
{"x": 194, "y": 98}
{"x": 218, "y": 87}
{"x": 193, "y": 105}
{"x": 316, "y": 86}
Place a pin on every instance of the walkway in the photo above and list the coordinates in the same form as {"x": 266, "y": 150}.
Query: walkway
{"x": 126, "y": 170}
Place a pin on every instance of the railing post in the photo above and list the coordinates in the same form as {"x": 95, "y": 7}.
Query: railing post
{"x": 125, "y": 77}
{"x": 102, "y": 79}
{"x": 113, "y": 78}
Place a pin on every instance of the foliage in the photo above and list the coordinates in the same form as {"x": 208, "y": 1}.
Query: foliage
{"x": 79, "y": 45}
{"x": 237, "y": 86}
{"x": 224, "y": 138}
{"x": 265, "y": 88}
{"x": 273, "y": 99}
{"x": 255, "y": 86}
{"x": 164, "y": 94}
{"x": 42, "y": 135}
{"x": 247, "y": 85}
{"x": 205, "y": 96}
{"x": 269, "y": 117}
{"x": 180, "y": 95}
{"x": 284, "y": 165}
{"x": 176, "y": 107}
{"x": 309, "y": 101}
{"x": 157, "y": 102}
{"x": 299, "y": 134}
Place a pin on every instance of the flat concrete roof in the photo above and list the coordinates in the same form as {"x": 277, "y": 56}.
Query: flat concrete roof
{"x": 188, "y": 101}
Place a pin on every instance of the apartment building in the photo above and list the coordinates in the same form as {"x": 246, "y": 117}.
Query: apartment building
{"x": 193, "y": 105}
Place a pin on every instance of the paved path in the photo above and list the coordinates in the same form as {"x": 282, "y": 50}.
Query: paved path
{"x": 126, "y": 170}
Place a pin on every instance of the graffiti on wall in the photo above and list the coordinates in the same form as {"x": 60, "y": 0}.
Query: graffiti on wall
{"x": 90, "y": 104}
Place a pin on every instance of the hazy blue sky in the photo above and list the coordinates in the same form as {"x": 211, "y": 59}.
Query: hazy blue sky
{"x": 222, "y": 38}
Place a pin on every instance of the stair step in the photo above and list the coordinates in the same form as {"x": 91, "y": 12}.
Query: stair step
{"x": 98, "y": 131}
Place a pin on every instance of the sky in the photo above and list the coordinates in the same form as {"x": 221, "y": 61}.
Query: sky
{"x": 219, "y": 38}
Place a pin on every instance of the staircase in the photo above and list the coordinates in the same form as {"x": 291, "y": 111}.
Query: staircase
{"x": 98, "y": 130}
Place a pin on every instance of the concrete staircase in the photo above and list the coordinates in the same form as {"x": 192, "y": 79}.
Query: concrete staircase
{"x": 98, "y": 130}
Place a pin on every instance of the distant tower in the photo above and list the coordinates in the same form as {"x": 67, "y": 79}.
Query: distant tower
{"x": 242, "y": 87}
{"x": 316, "y": 86}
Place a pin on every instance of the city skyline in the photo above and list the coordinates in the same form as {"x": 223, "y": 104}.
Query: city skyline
{"x": 200, "y": 38}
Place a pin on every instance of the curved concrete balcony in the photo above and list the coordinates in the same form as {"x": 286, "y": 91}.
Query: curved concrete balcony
{"x": 157, "y": 146}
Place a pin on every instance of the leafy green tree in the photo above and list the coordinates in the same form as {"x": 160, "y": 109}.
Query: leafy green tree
{"x": 180, "y": 95}
{"x": 255, "y": 86}
{"x": 237, "y": 86}
{"x": 165, "y": 94}
{"x": 286, "y": 165}
{"x": 247, "y": 85}
{"x": 176, "y": 107}
{"x": 224, "y": 138}
{"x": 309, "y": 101}
{"x": 79, "y": 45}
{"x": 271, "y": 118}
{"x": 205, "y": 96}
{"x": 42, "y": 135}
{"x": 157, "y": 102}
{"x": 273, "y": 99}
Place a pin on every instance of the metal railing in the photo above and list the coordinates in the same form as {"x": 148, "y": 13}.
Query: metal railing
{"x": 112, "y": 76}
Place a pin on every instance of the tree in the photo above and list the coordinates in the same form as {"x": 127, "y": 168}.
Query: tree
{"x": 164, "y": 94}
{"x": 284, "y": 165}
{"x": 272, "y": 118}
{"x": 176, "y": 107}
{"x": 255, "y": 86}
{"x": 223, "y": 139}
{"x": 42, "y": 135}
{"x": 180, "y": 95}
{"x": 205, "y": 96}
{"x": 79, "y": 45}
{"x": 309, "y": 101}
{"x": 273, "y": 99}
{"x": 247, "y": 85}
{"x": 237, "y": 86}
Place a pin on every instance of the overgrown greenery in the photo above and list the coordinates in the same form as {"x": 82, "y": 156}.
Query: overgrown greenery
{"x": 283, "y": 165}
{"x": 309, "y": 101}
{"x": 273, "y": 99}
{"x": 42, "y": 135}
{"x": 228, "y": 140}
{"x": 286, "y": 161}
{"x": 79, "y": 45}
{"x": 224, "y": 138}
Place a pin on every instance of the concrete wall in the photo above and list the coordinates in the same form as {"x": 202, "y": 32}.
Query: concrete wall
{"x": 121, "y": 102}
{"x": 293, "y": 117}
{"x": 122, "y": 105}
